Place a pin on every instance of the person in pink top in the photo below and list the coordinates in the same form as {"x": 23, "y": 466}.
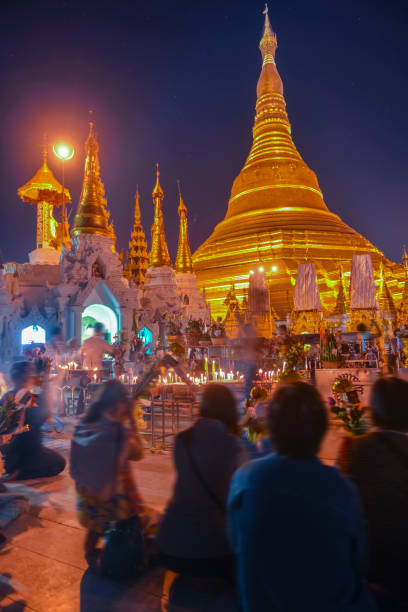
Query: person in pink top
{"x": 95, "y": 347}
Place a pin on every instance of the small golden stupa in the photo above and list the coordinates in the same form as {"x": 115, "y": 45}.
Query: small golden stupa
{"x": 277, "y": 216}
{"x": 92, "y": 216}
{"x": 137, "y": 257}
{"x": 184, "y": 261}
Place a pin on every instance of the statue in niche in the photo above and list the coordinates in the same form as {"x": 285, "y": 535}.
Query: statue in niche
{"x": 97, "y": 271}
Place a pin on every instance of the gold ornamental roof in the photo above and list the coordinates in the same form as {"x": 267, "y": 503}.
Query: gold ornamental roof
{"x": 276, "y": 214}
{"x": 92, "y": 216}
{"x": 35, "y": 190}
{"x": 184, "y": 261}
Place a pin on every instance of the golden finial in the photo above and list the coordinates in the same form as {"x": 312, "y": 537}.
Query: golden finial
{"x": 157, "y": 191}
{"x": 44, "y": 148}
{"x": 137, "y": 206}
{"x": 184, "y": 261}
{"x": 268, "y": 42}
{"x": 159, "y": 255}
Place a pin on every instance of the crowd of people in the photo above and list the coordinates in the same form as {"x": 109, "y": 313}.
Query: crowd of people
{"x": 271, "y": 521}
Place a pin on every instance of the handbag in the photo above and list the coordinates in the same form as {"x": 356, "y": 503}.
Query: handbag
{"x": 186, "y": 438}
{"x": 123, "y": 553}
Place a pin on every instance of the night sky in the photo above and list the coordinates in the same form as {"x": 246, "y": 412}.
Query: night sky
{"x": 175, "y": 82}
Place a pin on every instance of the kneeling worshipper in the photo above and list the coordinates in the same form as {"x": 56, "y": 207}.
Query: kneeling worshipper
{"x": 21, "y": 416}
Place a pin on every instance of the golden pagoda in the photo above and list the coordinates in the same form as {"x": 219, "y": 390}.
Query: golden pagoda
{"x": 184, "y": 261}
{"x": 137, "y": 257}
{"x": 92, "y": 216}
{"x": 276, "y": 214}
{"x": 44, "y": 191}
{"x": 159, "y": 255}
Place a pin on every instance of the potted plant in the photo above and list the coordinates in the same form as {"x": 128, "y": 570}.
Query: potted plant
{"x": 218, "y": 333}
{"x": 347, "y": 408}
{"x": 329, "y": 354}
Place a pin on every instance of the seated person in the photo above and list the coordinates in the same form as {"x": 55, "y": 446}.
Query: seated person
{"x": 24, "y": 455}
{"x": 295, "y": 524}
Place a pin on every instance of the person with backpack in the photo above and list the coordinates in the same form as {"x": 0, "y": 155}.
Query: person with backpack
{"x": 192, "y": 536}
{"x": 103, "y": 445}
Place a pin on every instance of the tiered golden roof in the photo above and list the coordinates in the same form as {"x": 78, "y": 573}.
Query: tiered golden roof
{"x": 184, "y": 261}
{"x": 276, "y": 213}
{"x": 137, "y": 257}
{"x": 92, "y": 215}
{"x": 45, "y": 192}
{"x": 159, "y": 255}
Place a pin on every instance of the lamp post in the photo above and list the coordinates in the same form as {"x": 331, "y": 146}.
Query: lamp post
{"x": 64, "y": 152}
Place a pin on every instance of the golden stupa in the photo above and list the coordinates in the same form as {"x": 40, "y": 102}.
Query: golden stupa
{"x": 92, "y": 216}
{"x": 277, "y": 217}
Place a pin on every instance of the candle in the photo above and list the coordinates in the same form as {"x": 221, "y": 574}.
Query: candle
{"x": 95, "y": 377}
{"x": 213, "y": 370}
{"x": 206, "y": 366}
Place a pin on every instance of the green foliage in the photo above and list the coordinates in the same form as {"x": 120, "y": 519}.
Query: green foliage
{"x": 352, "y": 417}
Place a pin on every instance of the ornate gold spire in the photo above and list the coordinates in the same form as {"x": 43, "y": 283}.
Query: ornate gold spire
{"x": 44, "y": 191}
{"x": 385, "y": 299}
{"x": 341, "y": 306}
{"x": 184, "y": 261}
{"x": 92, "y": 215}
{"x": 403, "y": 305}
{"x": 276, "y": 212}
{"x": 137, "y": 257}
{"x": 159, "y": 255}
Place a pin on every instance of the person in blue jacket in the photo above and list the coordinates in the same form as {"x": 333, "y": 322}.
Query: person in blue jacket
{"x": 295, "y": 524}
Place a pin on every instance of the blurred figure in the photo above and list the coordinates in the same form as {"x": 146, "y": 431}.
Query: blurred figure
{"x": 102, "y": 447}
{"x": 56, "y": 348}
{"x": 295, "y": 524}
{"x": 95, "y": 347}
{"x": 378, "y": 464}
{"x": 192, "y": 536}
{"x": 25, "y": 456}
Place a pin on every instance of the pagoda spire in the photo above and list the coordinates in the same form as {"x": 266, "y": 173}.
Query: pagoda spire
{"x": 159, "y": 255}
{"x": 386, "y": 301}
{"x": 184, "y": 261}
{"x": 403, "y": 305}
{"x": 341, "y": 298}
{"x": 92, "y": 216}
{"x": 137, "y": 257}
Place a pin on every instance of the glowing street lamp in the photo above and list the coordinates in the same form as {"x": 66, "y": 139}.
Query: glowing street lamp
{"x": 64, "y": 151}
